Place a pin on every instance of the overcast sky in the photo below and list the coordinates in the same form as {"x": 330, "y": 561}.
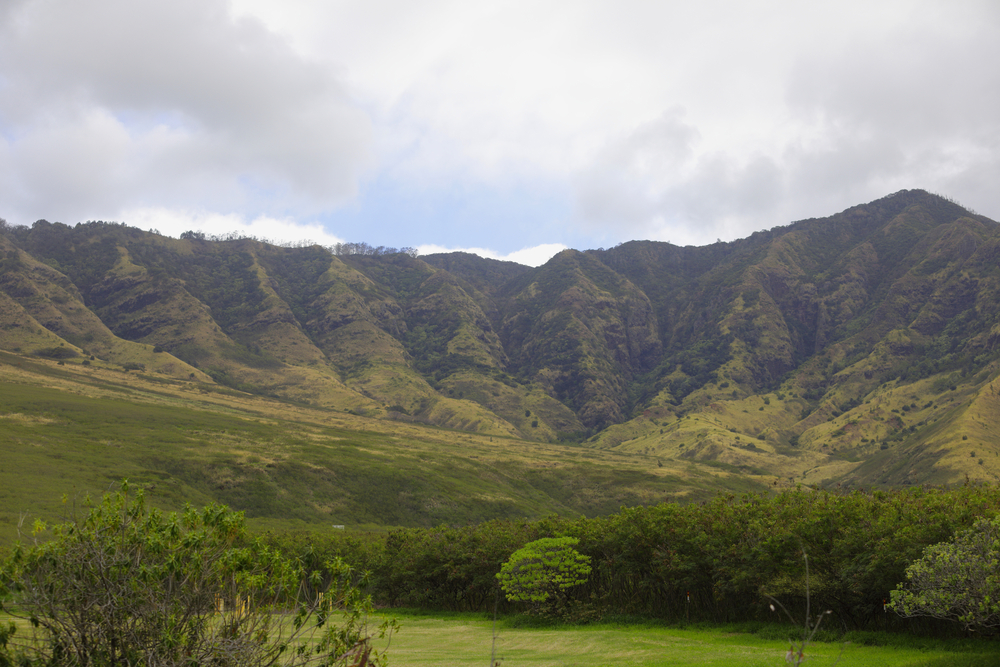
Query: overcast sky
{"x": 515, "y": 128}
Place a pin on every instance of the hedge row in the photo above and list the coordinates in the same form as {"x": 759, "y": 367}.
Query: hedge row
{"x": 715, "y": 561}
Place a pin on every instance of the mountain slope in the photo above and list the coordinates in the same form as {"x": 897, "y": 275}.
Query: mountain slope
{"x": 822, "y": 351}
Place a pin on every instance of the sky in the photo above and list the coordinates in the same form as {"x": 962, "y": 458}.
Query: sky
{"x": 510, "y": 129}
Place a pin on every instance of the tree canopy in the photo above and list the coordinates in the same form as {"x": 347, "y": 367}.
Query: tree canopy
{"x": 541, "y": 572}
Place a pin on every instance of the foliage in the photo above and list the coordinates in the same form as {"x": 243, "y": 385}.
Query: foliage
{"x": 228, "y": 283}
{"x": 542, "y": 572}
{"x": 613, "y": 334}
{"x": 957, "y": 580}
{"x": 361, "y": 248}
{"x": 59, "y": 352}
{"x": 129, "y": 585}
{"x": 698, "y": 562}
{"x": 450, "y": 568}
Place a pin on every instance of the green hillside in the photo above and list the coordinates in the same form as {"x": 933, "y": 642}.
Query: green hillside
{"x": 70, "y": 430}
{"x": 855, "y": 350}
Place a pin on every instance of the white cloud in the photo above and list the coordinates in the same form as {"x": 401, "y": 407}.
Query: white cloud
{"x": 805, "y": 111}
{"x": 533, "y": 256}
{"x": 79, "y": 159}
{"x": 107, "y": 104}
{"x": 174, "y": 222}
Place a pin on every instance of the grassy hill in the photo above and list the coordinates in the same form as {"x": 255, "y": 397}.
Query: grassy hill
{"x": 70, "y": 430}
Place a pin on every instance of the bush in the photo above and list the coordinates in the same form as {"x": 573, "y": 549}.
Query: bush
{"x": 128, "y": 585}
{"x": 55, "y": 353}
{"x": 542, "y": 572}
{"x": 957, "y": 580}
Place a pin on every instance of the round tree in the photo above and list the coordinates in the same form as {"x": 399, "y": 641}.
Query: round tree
{"x": 542, "y": 572}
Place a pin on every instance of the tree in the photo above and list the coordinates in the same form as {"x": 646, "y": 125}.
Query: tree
{"x": 542, "y": 572}
{"x": 957, "y": 580}
{"x": 129, "y": 585}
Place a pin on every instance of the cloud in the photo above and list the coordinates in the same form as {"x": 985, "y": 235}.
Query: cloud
{"x": 625, "y": 182}
{"x": 174, "y": 222}
{"x": 654, "y": 183}
{"x": 910, "y": 106}
{"x": 676, "y": 121}
{"x": 533, "y": 256}
{"x": 803, "y": 112}
{"x": 78, "y": 159}
{"x": 107, "y": 104}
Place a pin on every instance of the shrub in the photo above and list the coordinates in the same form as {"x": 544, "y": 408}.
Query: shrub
{"x": 55, "y": 353}
{"x": 128, "y": 585}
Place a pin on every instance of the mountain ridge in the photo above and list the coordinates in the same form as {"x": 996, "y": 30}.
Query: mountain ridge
{"x": 790, "y": 351}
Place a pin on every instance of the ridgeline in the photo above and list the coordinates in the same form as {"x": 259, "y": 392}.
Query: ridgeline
{"x": 369, "y": 386}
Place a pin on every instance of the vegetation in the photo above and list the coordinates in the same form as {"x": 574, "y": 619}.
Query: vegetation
{"x": 957, "y": 580}
{"x": 128, "y": 585}
{"x": 708, "y": 562}
{"x": 366, "y": 249}
{"x": 675, "y": 410}
{"x": 810, "y": 625}
{"x": 853, "y": 330}
{"x": 286, "y": 465}
{"x": 542, "y": 572}
{"x": 680, "y": 564}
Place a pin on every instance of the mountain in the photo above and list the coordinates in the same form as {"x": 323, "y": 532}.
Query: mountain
{"x": 858, "y": 349}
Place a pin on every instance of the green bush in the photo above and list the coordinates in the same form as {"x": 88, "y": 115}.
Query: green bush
{"x": 59, "y": 352}
{"x": 128, "y": 585}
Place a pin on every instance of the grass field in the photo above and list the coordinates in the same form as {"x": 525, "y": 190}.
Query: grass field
{"x": 449, "y": 640}
{"x": 73, "y": 430}
{"x": 428, "y": 641}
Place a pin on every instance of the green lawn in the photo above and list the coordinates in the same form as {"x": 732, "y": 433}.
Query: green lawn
{"x": 467, "y": 640}
{"x": 454, "y": 640}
